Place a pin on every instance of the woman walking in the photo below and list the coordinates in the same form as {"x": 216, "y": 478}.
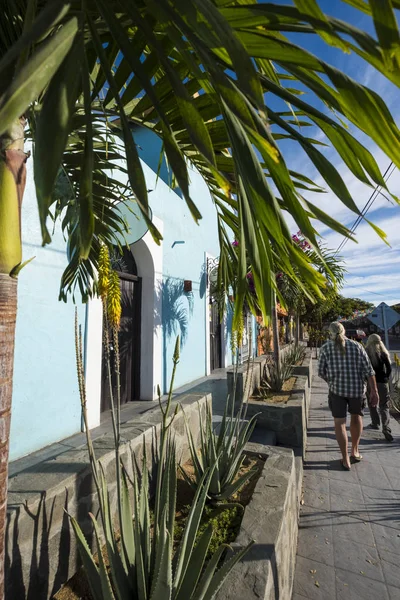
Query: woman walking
{"x": 380, "y": 359}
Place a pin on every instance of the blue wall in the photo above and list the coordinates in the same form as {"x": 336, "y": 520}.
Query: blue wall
{"x": 46, "y": 405}
{"x": 181, "y": 260}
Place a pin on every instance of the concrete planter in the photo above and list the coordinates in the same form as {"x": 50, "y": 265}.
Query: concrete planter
{"x": 271, "y": 519}
{"x": 288, "y": 420}
{"x": 248, "y": 378}
{"x": 249, "y": 375}
{"x": 41, "y": 547}
{"x": 305, "y": 370}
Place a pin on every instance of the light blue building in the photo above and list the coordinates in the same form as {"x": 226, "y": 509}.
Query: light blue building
{"x": 165, "y": 293}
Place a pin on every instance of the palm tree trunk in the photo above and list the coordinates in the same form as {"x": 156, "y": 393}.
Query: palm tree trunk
{"x": 297, "y": 329}
{"x": 12, "y": 185}
{"x": 275, "y": 333}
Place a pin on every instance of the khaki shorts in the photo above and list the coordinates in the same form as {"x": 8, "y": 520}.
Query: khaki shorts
{"x": 340, "y": 404}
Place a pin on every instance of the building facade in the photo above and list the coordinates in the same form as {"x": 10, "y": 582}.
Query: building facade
{"x": 165, "y": 293}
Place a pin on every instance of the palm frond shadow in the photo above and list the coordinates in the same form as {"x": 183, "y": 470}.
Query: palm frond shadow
{"x": 176, "y": 308}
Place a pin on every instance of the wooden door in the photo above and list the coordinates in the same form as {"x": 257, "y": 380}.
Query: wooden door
{"x": 129, "y": 346}
{"x": 215, "y": 337}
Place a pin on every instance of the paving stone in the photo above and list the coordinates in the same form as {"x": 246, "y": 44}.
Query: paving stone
{"x": 372, "y": 475}
{"x": 316, "y": 544}
{"x": 387, "y": 517}
{"x": 353, "y": 529}
{"x": 347, "y": 489}
{"x": 390, "y": 567}
{"x": 358, "y": 559}
{"x": 313, "y": 482}
{"x": 314, "y": 580}
{"x": 386, "y": 538}
{"x": 389, "y": 457}
{"x": 394, "y": 593}
{"x": 393, "y": 474}
{"x": 337, "y": 472}
{"x": 347, "y": 506}
{"x": 315, "y": 517}
{"x": 316, "y": 499}
{"x": 376, "y": 497}
{"x": 352, "y": 586}
{"x": 359, "y": 510}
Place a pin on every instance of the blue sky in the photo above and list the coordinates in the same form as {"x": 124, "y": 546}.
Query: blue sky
{"x": 373, "y": 268}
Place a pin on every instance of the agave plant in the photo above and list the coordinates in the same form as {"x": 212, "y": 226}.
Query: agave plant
{"x": 223, "y": 453}
{"x": 296, "y": 355}
{"x": 275, "y": 374}
{"x": 142, "y": 561}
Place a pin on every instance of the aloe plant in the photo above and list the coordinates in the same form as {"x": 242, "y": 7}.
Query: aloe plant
{"x": 142, "y": 561}
{"x": 223, "y": 453}
{"x": 296, "y": 354}
{"x": 276, "y": 375}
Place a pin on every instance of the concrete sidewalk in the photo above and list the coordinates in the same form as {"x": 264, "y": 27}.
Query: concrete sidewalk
{"x": 349, "y": 533}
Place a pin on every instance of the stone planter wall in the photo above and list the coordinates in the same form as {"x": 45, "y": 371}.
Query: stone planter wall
{"x": 287, "y": 420}
{"x": 266, "y": 572}
{"x": 304, "y": 370}
{"x": 248, "y": 376}
{"x": 41, "y": 548}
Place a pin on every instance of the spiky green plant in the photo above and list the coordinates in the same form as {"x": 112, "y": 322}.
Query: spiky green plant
{"x": 142, "y": 562}
{"x": 275, "y": 375}
{"x": 223, "y": 453}
{"x": 296, "y": 355}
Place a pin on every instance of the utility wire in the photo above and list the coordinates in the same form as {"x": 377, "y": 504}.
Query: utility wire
{"x": 367, "y": 206}
{"x": 357, "y": 287}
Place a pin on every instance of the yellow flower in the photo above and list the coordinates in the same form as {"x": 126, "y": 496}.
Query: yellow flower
{"x": 104, "y": 272}
{"x": 114, "y": 300}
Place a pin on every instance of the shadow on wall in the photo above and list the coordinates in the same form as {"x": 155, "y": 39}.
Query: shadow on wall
{"x": 42, "y": 555}
{"x": 41, "y": 549}
{"x": 176, "y": 308}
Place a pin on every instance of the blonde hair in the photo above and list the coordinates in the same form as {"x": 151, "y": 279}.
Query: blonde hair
{"x": 338, "y": 335}
{"x": 376, "y": 348}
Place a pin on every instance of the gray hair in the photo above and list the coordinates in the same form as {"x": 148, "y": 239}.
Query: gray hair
{"x": 338, "y": 335}
{"x": 375, "y": 349}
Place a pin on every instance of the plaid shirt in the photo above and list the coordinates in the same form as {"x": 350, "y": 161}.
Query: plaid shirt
{"x": 346, "y": 373}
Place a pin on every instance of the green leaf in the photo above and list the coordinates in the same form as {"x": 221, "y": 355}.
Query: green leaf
{"x": 106, "y": 589}
{"x": 91, "y": 569}
{"x": 212, "y": 586}
{"x": 55, "y": 116}
{"x": 48, "y": 18}
{"x": 34, "y": 76}
{"x": 195, "y": 567}
{"x": 163, "y": 573}
{"x": 234, "y": 487}
{"x": 127, "y": 537}
{"x": 135, "y": 170}
{"x": 191, "y": 528}
{"x": 387, "y": 31}
{"x": 311, "y": 9}
{"x": 86, "y": 216}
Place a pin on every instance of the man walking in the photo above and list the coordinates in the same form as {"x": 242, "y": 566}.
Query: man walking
{"x": 346, "y": 368}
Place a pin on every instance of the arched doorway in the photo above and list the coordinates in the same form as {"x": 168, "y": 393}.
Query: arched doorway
{"x": 129, "y": 333}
